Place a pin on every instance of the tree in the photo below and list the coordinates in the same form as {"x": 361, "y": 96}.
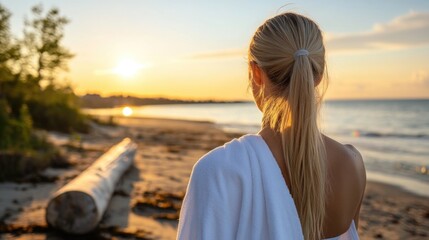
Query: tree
{"x": 9, "y": 50}
{"x": 9, "y": 57}
{"x": 43, "y": 44}
{"x": 28, "y": 69}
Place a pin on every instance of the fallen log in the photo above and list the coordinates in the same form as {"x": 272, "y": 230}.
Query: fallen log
{"x": 78, "y": 207}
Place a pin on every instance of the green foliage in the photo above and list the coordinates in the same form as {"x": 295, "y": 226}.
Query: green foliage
{"x": 56, "y": 109}
{"x": 21, "y": 151}
{"x": 31, "y": 94}
{"x": 43, "y": 36}
{"x": 28, "y": 71}
{"x": 9, "y": 49}
{"x": 15, "y": 133}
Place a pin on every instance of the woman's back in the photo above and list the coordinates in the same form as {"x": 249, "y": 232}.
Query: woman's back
{"x": 350, "y": 234}
{"x": 237, "y": 191}
{"x": 346, "y": 178}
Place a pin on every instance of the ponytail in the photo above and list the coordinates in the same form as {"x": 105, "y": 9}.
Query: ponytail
{"x": 292, "y": 109}
{"x": 304, "y": 150}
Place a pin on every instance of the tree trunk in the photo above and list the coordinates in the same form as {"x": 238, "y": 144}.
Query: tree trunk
{"x": 78, "y": 207}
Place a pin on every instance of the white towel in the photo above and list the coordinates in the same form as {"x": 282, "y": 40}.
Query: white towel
{"x": 237, "y": 191}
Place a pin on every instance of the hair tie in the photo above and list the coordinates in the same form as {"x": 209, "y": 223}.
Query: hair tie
{"x": 300, "y": 52}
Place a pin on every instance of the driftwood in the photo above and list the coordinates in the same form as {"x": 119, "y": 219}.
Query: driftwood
{"x": 78, "y": 207}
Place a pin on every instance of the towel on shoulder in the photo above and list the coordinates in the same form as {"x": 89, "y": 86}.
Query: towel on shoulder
{"x": 237, "y": 191}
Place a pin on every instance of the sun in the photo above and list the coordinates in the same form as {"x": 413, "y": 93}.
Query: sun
{"x": 127, "y": 68}
{"x": 127, "y": 111}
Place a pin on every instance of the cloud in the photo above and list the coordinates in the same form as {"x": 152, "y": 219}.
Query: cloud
{"x": 226, "y": 53}
{"x": 406, "y": 31}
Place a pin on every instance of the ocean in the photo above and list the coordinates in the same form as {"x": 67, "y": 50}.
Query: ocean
{"x": 392, "y": 135}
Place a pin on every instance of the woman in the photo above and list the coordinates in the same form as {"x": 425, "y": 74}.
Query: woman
{"x": 289, "y": 181}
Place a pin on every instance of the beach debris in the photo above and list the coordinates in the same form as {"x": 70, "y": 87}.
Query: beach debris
{"x": 160, "y": 205}
{"x": 78, "y": 207}
{"x": 125, "y": 233}
{"x": 378, "y": 235}
{"x": 18, "y": 229}
{"x": 121, "y": 192}
{"x": 100, "y": 233}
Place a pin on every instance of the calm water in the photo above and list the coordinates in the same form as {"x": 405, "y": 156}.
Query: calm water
{"x": 392, "y": 135}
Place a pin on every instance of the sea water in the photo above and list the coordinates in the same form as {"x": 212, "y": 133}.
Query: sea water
{"x": 392, "y": 135}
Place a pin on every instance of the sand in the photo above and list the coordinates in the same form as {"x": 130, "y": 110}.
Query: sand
{"x": 147, "y": 200}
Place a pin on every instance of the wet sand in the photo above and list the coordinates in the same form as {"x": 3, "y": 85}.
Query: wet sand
{"x": 147, "y": 200}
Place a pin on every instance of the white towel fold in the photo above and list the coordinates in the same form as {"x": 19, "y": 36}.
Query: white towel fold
{"x": 237, "y": 191}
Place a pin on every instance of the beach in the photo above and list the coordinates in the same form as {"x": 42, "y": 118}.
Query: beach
{"x": 146, "y": 202}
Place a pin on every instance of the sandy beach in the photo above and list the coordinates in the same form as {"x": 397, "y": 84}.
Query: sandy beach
{"x": 147, "y": 199}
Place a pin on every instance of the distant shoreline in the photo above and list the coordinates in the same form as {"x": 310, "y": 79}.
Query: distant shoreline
{"x": 98, "y": 101}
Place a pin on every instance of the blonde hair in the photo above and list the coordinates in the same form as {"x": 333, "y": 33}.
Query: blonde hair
{"x": 292, "y": 108}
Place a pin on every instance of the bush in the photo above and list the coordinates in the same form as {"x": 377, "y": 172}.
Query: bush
{"x": 22, "y": 152}
{"x": 30, "y": 95}
{"x": 14, "y": 133}
{"x": 56, "y": 110}
{"x": 15, "y": 165}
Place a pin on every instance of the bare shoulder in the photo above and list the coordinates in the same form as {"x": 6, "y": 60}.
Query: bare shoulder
{"x": 347, "y": 160}
{"x": 356, "y": 159}
{"x": 346, "y": 171}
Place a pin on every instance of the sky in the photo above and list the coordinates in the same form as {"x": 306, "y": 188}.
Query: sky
{"x": 197, "y": 49}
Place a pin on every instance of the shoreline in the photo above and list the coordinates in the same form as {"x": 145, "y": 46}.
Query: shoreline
{"x": 408, "y": 185}
{"x": 412, "y": 186}
{"x": 167, "y": 150}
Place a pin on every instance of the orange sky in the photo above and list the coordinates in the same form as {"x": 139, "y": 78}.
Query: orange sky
{"x": 194, "y": 50}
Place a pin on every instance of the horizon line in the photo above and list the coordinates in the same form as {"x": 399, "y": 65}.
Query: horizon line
{"x": 242, "y": 100}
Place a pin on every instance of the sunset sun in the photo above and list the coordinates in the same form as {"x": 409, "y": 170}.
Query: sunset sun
{"x": 127, "y": 111}
{"x": 127, "y": 68}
